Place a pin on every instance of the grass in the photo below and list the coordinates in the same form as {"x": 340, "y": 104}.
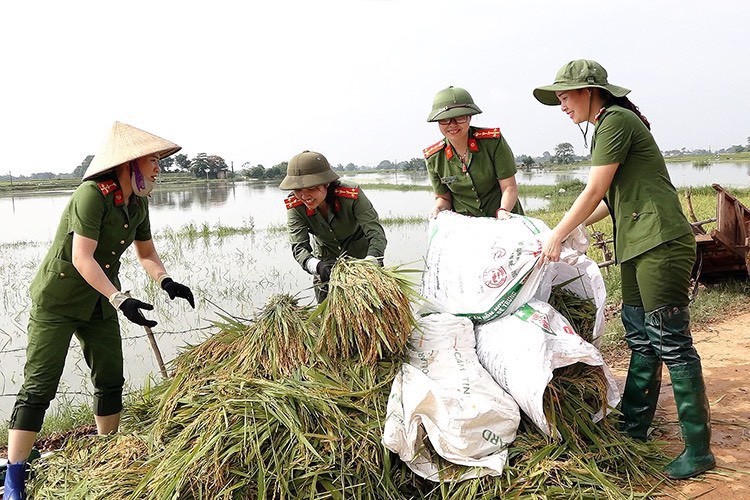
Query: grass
{"x": 712, "y": 158}
{"x": 40, "y": 185}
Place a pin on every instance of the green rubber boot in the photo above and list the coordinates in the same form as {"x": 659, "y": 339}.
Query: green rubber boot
{"x": 694, "y": 414}
{"x": 641, "y": 393}
{"x": 640, "y": 396}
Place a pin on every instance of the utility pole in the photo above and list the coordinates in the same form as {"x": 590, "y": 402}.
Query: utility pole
{"x": 10, "y": 174}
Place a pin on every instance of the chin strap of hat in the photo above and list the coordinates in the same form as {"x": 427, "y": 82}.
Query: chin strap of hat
{"x": 586, "y": 132}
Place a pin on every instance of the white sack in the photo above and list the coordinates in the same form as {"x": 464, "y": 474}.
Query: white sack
{"x": 521, "y": 350}
{"x": 481, "y": 267}
{"x": 587, "y": 280}
{"x": 444, "y": 393}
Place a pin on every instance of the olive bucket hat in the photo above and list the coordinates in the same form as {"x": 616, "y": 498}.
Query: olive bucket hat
{"x": 452, "y": 102}
{"x": 578, "y": 74}
{"x": 124, "y": 143}
{"x": 308, "y": 169}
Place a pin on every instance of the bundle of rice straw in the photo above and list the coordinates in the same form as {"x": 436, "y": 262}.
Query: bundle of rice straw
{"x": 278, "y": 341}
{"x": 367, "y": 314}
{"x": 579, "y": 311}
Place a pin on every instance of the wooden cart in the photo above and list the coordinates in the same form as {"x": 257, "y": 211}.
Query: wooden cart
{"x": 724, "y": 250}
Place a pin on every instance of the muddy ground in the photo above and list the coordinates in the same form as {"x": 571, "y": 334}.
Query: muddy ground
{"x": 724, "y": 347}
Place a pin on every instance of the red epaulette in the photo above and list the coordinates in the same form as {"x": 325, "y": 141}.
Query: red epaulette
{"x": 487, "y": 133}
{"x": 110, "y": 186}
{"x": 347, "y": 192}
{"x": 292, "y": 202}
{"x": 433, "y": 149}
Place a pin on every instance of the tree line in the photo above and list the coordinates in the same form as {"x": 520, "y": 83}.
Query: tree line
{"x": 207, "y": 166}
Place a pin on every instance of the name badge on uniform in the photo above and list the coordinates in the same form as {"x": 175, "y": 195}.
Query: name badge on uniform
{"x": 449, "y": 180}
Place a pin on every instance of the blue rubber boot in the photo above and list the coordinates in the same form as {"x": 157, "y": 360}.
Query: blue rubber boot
{"x": 15, "y": 482}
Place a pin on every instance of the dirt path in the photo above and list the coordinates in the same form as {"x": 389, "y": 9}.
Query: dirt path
{"x": 725, "y": 350}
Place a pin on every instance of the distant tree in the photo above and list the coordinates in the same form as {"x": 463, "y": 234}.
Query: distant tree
{"x": 166, "y": 163}
{"x": 278, "y": 171}
{"x": 350, "y": 167}
{"x": 564, "y": 153}
{"x": 207, "y": 166}
{"x": 525, "y": 160}
{"x": 81, "y": 169}
{"x": 256, "y": 172}
{"x": 181, "y": 162}
{"x": 338, "y": 167}
{"x": 416, "y": 164}
{"x": 385, "y": 165}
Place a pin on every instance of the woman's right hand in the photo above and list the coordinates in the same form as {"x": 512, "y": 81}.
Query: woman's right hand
{"x": 440, "y": 205}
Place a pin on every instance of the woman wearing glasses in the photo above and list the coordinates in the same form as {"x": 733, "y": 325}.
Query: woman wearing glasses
{"x": 328, "y": 218}
{"x": 472, "y": 169}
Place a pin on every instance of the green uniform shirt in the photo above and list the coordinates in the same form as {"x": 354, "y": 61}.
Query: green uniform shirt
{"x": 476, "y": 191}
{"x": 96, "y": 210}
{"x": 645, "y": 209}
{"x": 352, "y": 227}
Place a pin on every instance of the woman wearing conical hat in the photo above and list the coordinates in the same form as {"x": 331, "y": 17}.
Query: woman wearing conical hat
{"x": 327, "y": 218}
{"x": 472, "y": 169}
{"x": 655, "y": 247}
{"x": 76, "y": 290}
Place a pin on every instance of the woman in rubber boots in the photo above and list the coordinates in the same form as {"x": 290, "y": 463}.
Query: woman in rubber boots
{"x": 328, "y": 218}
{"x": 655, "y": 247}
{"x": 472, "y": 169}
{"x": 77, "y": 291}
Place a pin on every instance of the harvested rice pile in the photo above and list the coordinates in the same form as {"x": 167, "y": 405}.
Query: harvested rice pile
{"x": 293, "y": 406}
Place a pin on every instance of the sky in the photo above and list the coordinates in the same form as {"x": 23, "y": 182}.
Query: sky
{"x": 258, "y": 82}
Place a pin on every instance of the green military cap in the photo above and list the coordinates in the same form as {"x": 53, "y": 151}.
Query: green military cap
{"x": 452, "y": 102}
{"x": 308, "y": 169}
{"x": 578, "y": 74}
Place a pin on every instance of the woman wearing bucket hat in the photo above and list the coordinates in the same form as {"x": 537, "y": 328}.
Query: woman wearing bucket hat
{"x": 77, "y": 289}
{"x": 654, "y": 246}
{"x": 336, "y": 216}
{"x": 472, "y": 170}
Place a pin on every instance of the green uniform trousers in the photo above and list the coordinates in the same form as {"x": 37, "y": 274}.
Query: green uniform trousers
{"x": 656, "y": 283}
{"x": 49, "y": 337}
{"x": 661, "y": 276}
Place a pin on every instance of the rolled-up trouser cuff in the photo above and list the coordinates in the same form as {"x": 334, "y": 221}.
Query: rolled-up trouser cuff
{"x": 108, "y": 404}
{"x": 26, "y": 418}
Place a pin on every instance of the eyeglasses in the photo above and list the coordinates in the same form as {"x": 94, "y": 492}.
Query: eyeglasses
{"x": 460, "y": 120}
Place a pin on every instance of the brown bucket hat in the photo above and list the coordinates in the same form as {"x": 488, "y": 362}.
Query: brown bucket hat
{"x": 308, "y": 169}
{"x": 124, "y": 143}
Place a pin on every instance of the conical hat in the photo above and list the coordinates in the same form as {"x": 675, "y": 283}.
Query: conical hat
{"x": 124, "y": 143}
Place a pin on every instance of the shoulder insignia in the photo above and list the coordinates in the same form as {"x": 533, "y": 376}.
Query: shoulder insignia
{"x": 347, "y": 192}
{"x": 107, "y": 187}
{"x": 110, "y": 186}
{"x": 292, "y": 202}
{"x": 487, "y": 133}
{"x": 433, "y": 149}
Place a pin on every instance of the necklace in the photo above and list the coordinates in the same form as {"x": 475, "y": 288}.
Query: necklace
{"x": 462, "y": 158}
